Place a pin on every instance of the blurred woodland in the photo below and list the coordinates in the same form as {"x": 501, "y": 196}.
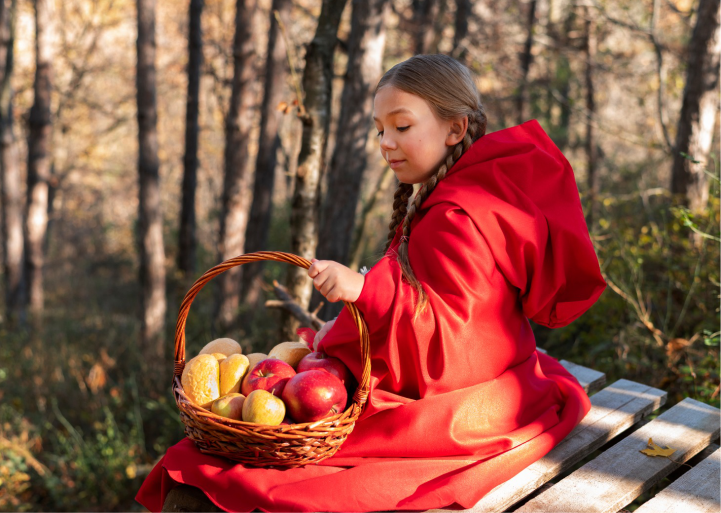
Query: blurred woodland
{"x": 142, "y": 143}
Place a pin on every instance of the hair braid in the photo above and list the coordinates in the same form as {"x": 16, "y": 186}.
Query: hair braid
{"x": 400, "y": 207}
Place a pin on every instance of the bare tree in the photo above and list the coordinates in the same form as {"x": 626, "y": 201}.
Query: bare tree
{"x": 526, "y": 58}
{"x": 317, "y": 83}
{"x": 187, "y": 237}
{"x": 464, "y": 10}
{"x": 39, "y": 155}
{"x": 256, "y": 234}
{"x": 425, "y": 14}
{"x": 12, "y": 219}
{"x": 589, "y": 48}
{"x": 150, "y": 217}
{"x": 699, "y": 108}
{"x": 236, "y": 182}
{"x": 345, "y": 174}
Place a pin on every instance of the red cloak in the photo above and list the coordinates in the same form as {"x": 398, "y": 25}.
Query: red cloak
{"x": 460, "y": 400}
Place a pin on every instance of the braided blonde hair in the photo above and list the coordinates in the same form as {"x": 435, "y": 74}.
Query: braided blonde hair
{"x": 448, "y": 88}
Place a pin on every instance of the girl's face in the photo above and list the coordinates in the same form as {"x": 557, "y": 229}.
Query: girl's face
{"x": 413, "y": 139}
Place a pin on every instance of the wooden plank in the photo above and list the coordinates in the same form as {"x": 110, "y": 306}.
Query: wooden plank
{"x": 614, "y": 409}
{"x": 591, "y": 380}
{"x": 697, "y": 491}
{"x": 619, "y": 475}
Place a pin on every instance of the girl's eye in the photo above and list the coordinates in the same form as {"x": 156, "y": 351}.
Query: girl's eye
{"x": 400, "y": 129}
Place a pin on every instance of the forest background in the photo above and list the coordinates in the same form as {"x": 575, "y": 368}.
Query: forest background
{"x": 143, "y": 143}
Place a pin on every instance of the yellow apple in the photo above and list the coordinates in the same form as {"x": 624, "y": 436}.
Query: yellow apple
{"x": 229, "y": 406}
{"x": 232, "y": 370}
{"x": 262, "y": 407}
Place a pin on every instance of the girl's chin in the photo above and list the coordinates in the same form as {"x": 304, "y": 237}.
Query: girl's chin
{"x": 411, "y": 178}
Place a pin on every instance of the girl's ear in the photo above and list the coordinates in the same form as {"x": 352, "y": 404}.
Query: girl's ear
{"x": 457, "y": 131}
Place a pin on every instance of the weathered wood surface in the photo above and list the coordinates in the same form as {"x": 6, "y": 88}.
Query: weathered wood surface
{"x": 614, "y": 409}
{"x": 697, "y": 491}
{"x": 591, "y": 380}
{"x": 620, "y": 474}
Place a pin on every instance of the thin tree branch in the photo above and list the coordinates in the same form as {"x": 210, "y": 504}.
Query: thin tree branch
{"x": 286, "y": 302}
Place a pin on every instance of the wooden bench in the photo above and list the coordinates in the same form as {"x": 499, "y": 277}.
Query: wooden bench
{"x": 609, "y": 439}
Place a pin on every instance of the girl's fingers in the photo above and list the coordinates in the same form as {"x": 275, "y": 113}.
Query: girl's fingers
{"x": 317, "y": 267}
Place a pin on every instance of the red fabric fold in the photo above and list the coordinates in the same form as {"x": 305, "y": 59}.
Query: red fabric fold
{"x": 460, "y": 399}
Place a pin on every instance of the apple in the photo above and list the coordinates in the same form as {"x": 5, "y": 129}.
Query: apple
{"x": 262, "y": 407}
{"x": 229, "y": 406}
{"x": 270, "y": 374}
{"x": 314, "y": 394}
{"x": 321, "y": 361}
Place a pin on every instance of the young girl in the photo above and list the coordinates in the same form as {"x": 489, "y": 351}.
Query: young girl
{"x": 460, "y": 400}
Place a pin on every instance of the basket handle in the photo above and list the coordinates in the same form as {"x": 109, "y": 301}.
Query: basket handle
{"x": 361, "y": 394}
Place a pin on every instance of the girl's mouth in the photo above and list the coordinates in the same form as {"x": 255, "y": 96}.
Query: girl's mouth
{"x": 395, "y": 163}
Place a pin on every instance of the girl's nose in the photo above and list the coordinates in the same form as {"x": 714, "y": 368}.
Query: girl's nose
{"x": 387, "y": 143}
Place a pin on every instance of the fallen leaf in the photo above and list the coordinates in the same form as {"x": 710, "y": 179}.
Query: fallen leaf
{"x": 655, "y": 450}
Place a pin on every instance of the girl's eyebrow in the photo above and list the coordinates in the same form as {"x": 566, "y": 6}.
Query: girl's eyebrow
{"x": 395, "y": 111}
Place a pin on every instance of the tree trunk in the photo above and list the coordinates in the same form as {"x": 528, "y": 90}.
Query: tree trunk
{"x": 150, "y": 217}
{"x": 39, "y": 156}
{"x": 236, "y": 182}
{"x": 698, "y": 111}
{"x": 347, "y": 166}
{"x": 464, "y": 11}
{"x": 187, "y": 238}
{"x": 591, "y": 154}
{"x": 256, "y": 235}
{"x": 526, "y": 59}
{"x": 360, "y": 240}
{"x": 317, "y": 84}
{"x": 12, "y": 219}
{"x": 425, "y": 24}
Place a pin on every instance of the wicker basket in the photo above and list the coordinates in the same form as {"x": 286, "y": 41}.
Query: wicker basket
{"x": 260, "y": 445}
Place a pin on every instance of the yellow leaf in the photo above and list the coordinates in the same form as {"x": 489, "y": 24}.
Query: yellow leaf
{"x": 655, "y": 450}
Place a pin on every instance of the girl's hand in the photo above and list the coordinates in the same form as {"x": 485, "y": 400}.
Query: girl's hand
{"x": 335, "y": 281}
{"x": 319, "y": 336}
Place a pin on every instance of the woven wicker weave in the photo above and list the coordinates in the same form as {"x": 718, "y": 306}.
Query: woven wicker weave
{"x": 254, "y": 444}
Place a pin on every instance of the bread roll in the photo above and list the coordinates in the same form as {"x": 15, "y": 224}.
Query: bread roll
{"x": 201, "y": 380}
{"x": 227, "y": 346}
{"x": 290, "y": 352}
{"x": 254, "y": 358}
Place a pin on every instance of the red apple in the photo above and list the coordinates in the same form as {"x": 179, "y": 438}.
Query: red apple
{"x": 271, "y": 375}
{"x": 321, "y": 361}
{"x": 313, "y": 395}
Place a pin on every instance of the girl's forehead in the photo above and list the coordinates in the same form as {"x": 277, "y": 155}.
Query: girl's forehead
{"x": 390, "y": 101}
